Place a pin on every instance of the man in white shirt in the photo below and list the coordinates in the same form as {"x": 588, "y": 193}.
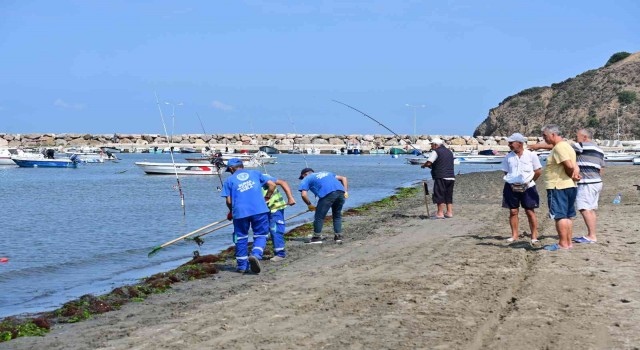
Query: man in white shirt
{"x": 521, "y": 167}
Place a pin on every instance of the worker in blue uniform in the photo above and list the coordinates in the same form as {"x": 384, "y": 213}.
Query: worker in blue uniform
{"x": 331, "y": 189}
{"x": 248, "y": 209}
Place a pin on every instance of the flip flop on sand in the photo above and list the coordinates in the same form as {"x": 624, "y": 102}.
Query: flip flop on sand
{"x": 437, "y": 217}
{"x": 448, "y": 216}
{"x": 554, "y": 247}
{"x": 583, "y": 239}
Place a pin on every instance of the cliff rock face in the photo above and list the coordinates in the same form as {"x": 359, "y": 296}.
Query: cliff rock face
{"x": 596, "y": 99}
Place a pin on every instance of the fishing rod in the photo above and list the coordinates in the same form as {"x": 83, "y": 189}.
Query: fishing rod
{"x": 384, "y": 126}
{"x": 294, "y": 142}
{"x": 158, "y": 248}
{"x": 216, "y": 163}
{"x": 171, "y": 153}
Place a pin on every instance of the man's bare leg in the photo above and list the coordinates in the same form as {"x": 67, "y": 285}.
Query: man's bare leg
{"x": 513, "y": 222}
{"x": 533, "y": 223}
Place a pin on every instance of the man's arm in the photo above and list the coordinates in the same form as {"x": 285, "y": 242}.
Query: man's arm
{"x": 537, "y": 173}
{"x": 344, "y": 181}
{"x": 305, "y": 197}
{"x": 571, "y": 169}
{"x": 538, "y": 146}
{"x": 271, "y": 188}
{"x": 287, "y": 191}
{"x": 229, "y": 203}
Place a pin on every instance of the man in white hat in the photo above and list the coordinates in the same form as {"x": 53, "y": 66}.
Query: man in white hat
{"x": 441, "y": 163}
{"x": 521, "y": 168}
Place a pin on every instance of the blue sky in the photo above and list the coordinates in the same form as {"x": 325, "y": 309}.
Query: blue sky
{"x": 274, "y": 66}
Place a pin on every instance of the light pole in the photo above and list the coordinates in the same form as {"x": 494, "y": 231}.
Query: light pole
{"x": 618, "y": 112}
{"x": 173, "y": 117}
{"x": 414, "y": 118}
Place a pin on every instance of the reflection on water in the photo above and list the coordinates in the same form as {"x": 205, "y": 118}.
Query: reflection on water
{"x": 69, "y": 232}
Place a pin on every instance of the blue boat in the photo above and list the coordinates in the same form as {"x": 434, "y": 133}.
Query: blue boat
{"x": 71, "y": 162}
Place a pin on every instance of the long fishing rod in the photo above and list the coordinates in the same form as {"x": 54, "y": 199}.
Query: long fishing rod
{"x": 171, "y": 153}
{"x": 294, "y": 142}
{"x": 216, "y": 164}
{"x": 384, "y": 126}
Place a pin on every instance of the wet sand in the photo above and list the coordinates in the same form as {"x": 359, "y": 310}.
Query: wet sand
{"x": 401, "y": 281}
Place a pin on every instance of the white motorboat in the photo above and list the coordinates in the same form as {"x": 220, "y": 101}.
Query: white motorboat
{"x": 179, "y": 168}
{"x": 422, "y": 160}
{"x": 312, "y": 150}
{"x": 479, "y": 159}
{"x": 619, "y": 157}
{"x": 260, "y": 157}
{"x": 8, "y": 154}
{"x": 636, "y": 161}
{"x": 5, "y": 157}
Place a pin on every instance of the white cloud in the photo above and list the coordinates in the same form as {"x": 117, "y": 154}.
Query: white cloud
{"x": 221, "y": 106}
{"x": 62, "y": 104}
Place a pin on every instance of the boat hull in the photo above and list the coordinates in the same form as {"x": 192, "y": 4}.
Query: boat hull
{"x": 481, "y": 159}
{"x": 636, "y": 161}
{"x": 180, "y": 168}
{"x": 45, "y": 163}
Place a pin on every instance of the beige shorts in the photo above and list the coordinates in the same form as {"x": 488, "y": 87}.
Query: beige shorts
{"x": 588, "y": 195}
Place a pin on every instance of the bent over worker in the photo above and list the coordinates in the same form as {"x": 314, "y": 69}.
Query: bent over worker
{"x": 248, "y": 209}
{"x": 332, "y": 191}
{"x": 276, "y": 205}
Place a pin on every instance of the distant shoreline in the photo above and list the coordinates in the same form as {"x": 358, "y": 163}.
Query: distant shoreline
{"x": 325, "y": 143}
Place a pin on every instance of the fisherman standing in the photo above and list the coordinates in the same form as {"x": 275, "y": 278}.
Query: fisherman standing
{"x": 441, "y": 163}
{"x": 276, "y": 205}
{"x": 248, "y": 209}
{"x": 332, "y": 191}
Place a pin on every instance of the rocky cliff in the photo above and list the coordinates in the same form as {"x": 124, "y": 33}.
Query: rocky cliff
{"x": 597, "y": 98}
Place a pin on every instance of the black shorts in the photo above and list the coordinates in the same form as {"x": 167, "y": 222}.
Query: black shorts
{"x": 443, "y": 191}
{"x": 529, "y": 199}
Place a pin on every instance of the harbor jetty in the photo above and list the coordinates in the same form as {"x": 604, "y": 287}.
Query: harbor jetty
{"x": 324, "y": 143}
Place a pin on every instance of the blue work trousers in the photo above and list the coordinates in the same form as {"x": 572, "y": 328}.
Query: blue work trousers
{"x": 260, "y": 225}
{"x": 277, "y": 228}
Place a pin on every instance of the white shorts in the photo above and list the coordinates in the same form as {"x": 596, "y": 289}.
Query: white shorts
{"x": 588, "y": 195}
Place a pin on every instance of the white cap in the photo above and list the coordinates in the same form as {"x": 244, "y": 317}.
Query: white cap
{"x": 436, "y": 141}
{"x": 517, "y": 137}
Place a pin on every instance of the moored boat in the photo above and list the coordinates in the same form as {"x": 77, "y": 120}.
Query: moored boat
{"x": 478, "y": 159}
{"x": 179, "y": 168}
{"x": 269, "y": 149}
{"x": 619, "y": 157}
{"x": 47, "y": 163}
{"x": 636, "y": 161}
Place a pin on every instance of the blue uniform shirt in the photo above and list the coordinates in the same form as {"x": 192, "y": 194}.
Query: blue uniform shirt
{"x": 245, "y": 189}
{"x": 321, "y": 184}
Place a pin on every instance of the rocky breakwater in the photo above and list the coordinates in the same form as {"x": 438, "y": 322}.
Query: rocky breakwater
{"x": 251, "y": 142}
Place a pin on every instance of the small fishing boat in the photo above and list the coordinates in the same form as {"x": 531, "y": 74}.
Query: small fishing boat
{"x": 378, "y": 151}
{"x": 269, "y": 149}
{"x": 260, "y": 156}
{"x": 71, "y": 162}
{"x": 478, "y": 159}
{"x": 353, "y": 148}
{"x": 188, "y": 150}
{"x": 636, "y": 161}
{"x": 179, "y": 168}
{"x": 395, "y": 150}
{"x": 619, "y": 157}
{"x": 422, "y": 160}
{"x": 312, "y": 150}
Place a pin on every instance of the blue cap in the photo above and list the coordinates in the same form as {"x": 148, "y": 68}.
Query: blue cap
{"x": 233, "y": 162}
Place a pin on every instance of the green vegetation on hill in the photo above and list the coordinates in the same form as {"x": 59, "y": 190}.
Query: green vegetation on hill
{"x": 595, "y": 98}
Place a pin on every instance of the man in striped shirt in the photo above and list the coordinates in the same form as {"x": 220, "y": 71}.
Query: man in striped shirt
{"x": 590, "y": 159}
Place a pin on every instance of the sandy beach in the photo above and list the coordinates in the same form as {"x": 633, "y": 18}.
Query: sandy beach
{"x": 401, "y": 281}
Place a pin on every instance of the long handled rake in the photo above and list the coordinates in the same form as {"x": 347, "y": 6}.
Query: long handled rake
{"x": 158, "y": 248}
{"x": 196, "y": 238}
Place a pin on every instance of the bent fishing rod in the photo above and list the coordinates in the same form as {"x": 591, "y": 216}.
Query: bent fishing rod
{"x": 216, "y": 164}
{"x": 171, "y": 153}
{"x": 379, "y": 123}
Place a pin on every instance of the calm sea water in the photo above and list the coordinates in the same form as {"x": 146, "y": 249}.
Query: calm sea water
{"x": 69, "y": 232}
